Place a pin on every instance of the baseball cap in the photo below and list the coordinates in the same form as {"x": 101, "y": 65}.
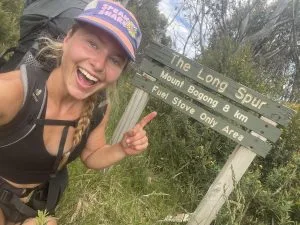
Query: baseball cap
{"x": 115, "y": 19}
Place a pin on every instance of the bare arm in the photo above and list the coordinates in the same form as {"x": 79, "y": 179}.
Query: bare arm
{"x": 98, "y": 154}
{"x": 11, "y": 95}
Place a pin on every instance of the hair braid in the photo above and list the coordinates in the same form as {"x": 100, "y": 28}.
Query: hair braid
{"x": 82, "y": 125}
{"x": 85, "y": 119}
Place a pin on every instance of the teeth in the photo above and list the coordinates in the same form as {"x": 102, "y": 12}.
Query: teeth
{"x": 87, "y": 75}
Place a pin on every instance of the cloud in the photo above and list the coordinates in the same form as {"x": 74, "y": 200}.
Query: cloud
{"x": 179, "y": 28}
{"x": 166, "y": 7}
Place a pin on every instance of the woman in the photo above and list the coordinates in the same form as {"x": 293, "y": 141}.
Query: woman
{"x": 91, "y": 58}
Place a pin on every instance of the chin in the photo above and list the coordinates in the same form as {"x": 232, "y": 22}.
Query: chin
{"x": 79, "y": 95}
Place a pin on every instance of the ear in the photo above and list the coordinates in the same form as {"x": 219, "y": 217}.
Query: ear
{"x": 67, "y": 39}
{"x": 68, "y": 36}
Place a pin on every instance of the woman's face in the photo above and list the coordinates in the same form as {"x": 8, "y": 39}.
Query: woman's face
{"x": 92, "y": 59}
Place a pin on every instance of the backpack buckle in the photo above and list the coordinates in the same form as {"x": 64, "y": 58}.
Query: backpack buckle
{"x": 5, "y": 195}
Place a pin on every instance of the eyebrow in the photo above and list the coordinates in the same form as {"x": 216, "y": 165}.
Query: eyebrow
{"x": 116, "y": 53}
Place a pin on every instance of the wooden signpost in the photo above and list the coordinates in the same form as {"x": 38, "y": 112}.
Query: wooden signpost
{"x": 231, "y": 109}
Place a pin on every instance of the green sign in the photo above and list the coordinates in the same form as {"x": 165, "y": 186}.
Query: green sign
{"x": 221, "y": 84}
{"x": 214, "y": 122}
{"x": 212, "y": 100}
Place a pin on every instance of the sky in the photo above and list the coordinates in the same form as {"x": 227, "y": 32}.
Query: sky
{"x": 179, "y": 29}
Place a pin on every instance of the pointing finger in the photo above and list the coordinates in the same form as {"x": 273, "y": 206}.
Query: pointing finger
{"x": 147, "y": 119}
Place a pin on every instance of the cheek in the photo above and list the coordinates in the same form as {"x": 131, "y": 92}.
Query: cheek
{"x": 113, "y": 75}
{"x": 74, "y": 51}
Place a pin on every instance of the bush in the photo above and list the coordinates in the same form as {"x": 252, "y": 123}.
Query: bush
{"x": 10, "y": 11}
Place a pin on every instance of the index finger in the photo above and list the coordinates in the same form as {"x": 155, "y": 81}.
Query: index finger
{"x": 147, "y": 119}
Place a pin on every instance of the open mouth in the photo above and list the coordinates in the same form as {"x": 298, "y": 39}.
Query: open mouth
{"x": 86, "y": 78}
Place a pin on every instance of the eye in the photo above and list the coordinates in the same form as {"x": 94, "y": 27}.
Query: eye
{"x": 92, "y": 44}
{"x": 116, "y": 61}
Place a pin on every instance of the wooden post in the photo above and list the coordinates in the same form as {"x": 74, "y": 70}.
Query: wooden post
{"x": 133, "y": 110}
{"x": 236, "y": 166}
{"x": 131, "y": 115}
{"x": 233, "y": 170}
{"x": 258, "y": 139}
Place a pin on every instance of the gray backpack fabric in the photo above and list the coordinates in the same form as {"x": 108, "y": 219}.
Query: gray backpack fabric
{"x": 51, "y": 18}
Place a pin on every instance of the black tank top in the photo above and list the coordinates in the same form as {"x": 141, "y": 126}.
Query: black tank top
{"x": 28, "y": 160}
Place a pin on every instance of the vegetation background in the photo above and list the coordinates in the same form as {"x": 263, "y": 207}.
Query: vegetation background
{"x": 184, "y": 157}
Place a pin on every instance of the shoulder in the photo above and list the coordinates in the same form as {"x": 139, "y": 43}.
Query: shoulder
{"x": 11, "y": 91}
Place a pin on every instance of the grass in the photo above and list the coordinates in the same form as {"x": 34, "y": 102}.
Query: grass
{"x": 128, "y": 193}
{"x": 131, "y": 192}
{"x": 174, "y": 174}
{"x": 172, "y": 177}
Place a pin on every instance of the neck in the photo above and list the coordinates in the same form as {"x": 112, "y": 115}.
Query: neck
{"x": 58, "y": 95}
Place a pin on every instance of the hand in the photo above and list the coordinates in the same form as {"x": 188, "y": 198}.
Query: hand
{"x": 135, "y": 140}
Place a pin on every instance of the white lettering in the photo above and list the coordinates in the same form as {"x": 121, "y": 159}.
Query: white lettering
{"x": 180, "y": 63}
{"x": 199, "y": 74}
{"x": 172, "y": 80}
{"x": 211, "y": 121}
{"x": 202, "y": 97}
{"x": 240, "y": 116}
{"x": 183, "y": 106}
{"x": 249, "y": 99}
{"x": 221, "y": 86}
{"x": 159, "y": 92}
{"x": 233, "y": 133}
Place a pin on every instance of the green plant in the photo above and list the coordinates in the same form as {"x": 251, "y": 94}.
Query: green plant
{"x": 41, "y": 218}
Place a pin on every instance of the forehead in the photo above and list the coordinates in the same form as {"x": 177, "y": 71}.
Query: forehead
{"x": 103, "y": 36}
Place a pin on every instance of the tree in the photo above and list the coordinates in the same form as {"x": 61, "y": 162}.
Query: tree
{"x": 10, "y": 11}
{"x": 151, "y": 22}
{"x": 271, "y": 30}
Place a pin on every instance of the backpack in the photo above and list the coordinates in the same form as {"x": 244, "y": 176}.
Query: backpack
{"x": 35, "y": 95}
{"x": 48, "y": 194}
{"x": 51, "y": 18}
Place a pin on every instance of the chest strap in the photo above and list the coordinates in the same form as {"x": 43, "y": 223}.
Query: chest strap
{"x": 51, "y": 122}
{"x": 22, "y": 210}
{"x": 62, "y": 142}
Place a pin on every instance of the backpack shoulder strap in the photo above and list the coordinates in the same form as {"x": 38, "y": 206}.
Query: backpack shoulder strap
{"x": 34, "y": 80}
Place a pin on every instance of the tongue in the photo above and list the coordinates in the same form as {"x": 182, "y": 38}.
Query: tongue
{"x": 84, "y": 80}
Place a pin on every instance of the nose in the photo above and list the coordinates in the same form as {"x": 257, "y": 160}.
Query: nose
{"x": 99, "y": 61}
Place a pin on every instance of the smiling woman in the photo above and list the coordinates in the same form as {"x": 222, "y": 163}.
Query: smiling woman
{"x": 95, "y": 58}
{"x": 73, "y": 119}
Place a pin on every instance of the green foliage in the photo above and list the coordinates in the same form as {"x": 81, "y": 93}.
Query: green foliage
{"x": 269, "y": 192}
{"x": 10, "y": 11}
{"x": 184, "y": 157}
{"x": 151, "y": 22}
{"x": 225, "y": 56}
{"x": 186, "y": 152}
{"x": 41, "y": 218}
{"x": 136, "y": 197}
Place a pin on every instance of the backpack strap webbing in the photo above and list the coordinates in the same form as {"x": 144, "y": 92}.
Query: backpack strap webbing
{"x": 21, "y": 211}
{"x": 69, "y": 123}
{"x": 34, "y": 83}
